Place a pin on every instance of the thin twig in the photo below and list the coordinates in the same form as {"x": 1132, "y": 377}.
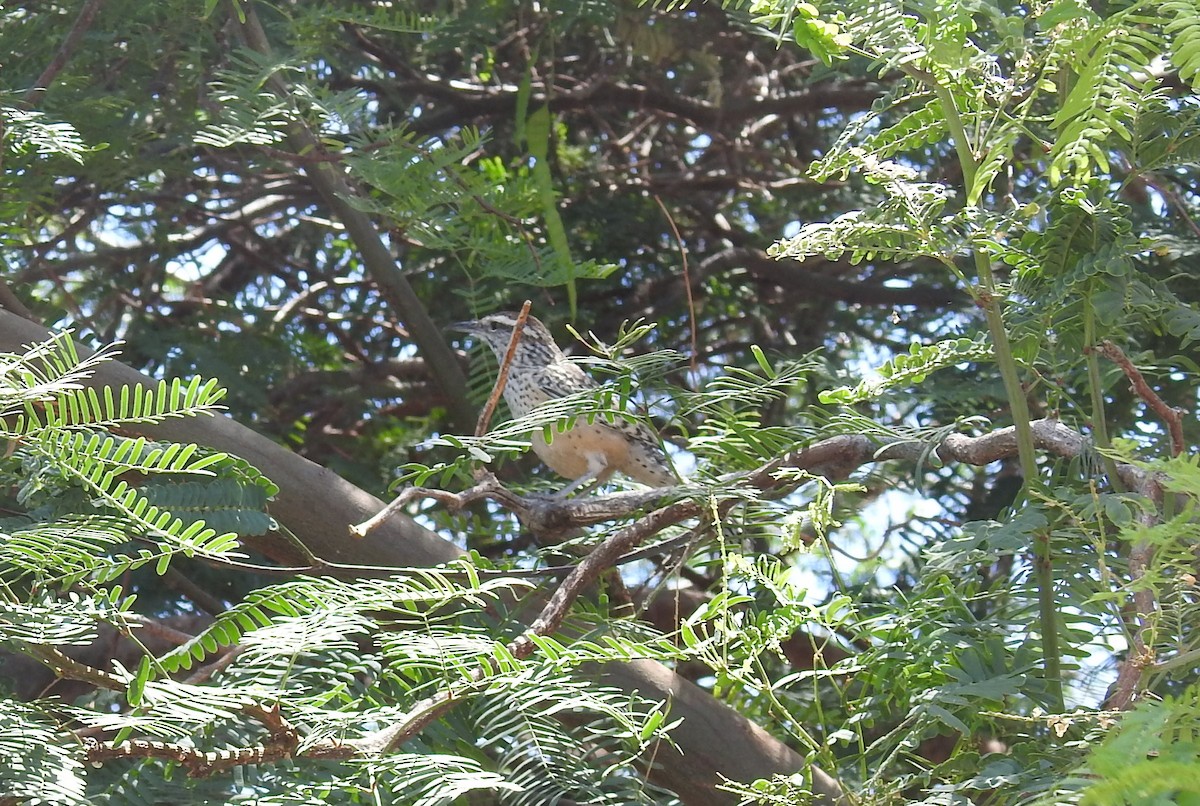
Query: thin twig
{"x": 1172, "y": 198}
{"x": 486, "y": 487}
{"x": 182, "y": 584}
{"x": 687, "y": 280}
{"x": 485, "y": 416}
{"x": 457, "y": 501}
{"x": 550, "y": 619}
{"x": 1172, "y": 417}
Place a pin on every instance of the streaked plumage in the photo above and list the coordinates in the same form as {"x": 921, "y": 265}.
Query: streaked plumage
{"x": 586, "y": 451}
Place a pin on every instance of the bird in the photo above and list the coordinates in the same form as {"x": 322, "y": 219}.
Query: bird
{"x": 586, "y": 452}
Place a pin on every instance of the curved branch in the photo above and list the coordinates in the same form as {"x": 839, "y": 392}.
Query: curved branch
{"x": 814, "y": 277}
{"x": 465, "y": 101}
{"x": 336, "y": 191}
{"x": 317, "y": 506}
{"x": 1172, "y": 418}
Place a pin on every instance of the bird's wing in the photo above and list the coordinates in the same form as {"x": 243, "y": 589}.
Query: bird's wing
{"x": 647, "y": 462}
{"x": 564, "y": 378}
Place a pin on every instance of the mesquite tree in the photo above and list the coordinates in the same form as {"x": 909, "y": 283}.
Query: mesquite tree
{"x": 905, "y": 289}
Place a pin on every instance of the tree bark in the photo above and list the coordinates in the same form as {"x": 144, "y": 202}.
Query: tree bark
{"x": 318, "y": 507}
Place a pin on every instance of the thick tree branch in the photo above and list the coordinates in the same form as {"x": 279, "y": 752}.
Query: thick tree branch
{"x": 318, "y": 506}
{"x": 12, "y": 302}
{"x": 283, "y": 741}
{"x": 336, "y": 191}
{"x": 468, "y": 102}
{"x": 314, "y": 503}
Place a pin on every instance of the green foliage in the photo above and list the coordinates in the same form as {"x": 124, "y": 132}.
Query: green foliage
{"x": 913, "y": 367}
{"x": 299, "y": 642}
{"x": 301, "y": 598}
{"x": 256, "y": 116}
{"x": 28, "y": 132}
{"x": 1166, "y": 133}
{"x": 992, "y": 191}
{"x": 77, "y": 477}
{"x": 907, "y": 223}
{"x": 1184, "y": 29}
{"x": 1152, "y": 757}
{"x": 38, "y": 766}
{"x": 994, "y": 86}
{"x": 82, "y": 497}
{"x": 1103, "y": 100}
{"x": 886, "y": 130}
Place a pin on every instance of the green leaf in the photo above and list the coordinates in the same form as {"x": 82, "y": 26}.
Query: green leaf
{"x": 137, "y": 683}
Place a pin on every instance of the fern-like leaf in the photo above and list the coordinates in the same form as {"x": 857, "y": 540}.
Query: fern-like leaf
{"x": 914, "y": 129}
{"x": 98, "y": 461}
{"x": 28, "y": 131}
{"x": 1103, "y": 102}
{"x": 1183, "y": 28}
{"x": 38, "y": 762}
{"x": 911, "y": 368}
{"x": 420, "y": 592}
{"x": 227, "y": 505}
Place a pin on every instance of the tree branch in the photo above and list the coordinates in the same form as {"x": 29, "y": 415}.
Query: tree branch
{"x": 66, "y": 667}
{"x": 283, "y": 742}
{"x": 468, "y": 102}
{"x": 87, "y": 15}
{"x": 336, "y": 190}
{"x": 1173, "y": 418}
{"x": 316, "y": 505}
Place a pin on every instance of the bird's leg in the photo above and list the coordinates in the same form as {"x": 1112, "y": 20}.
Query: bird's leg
{"x": 597, "y": 473}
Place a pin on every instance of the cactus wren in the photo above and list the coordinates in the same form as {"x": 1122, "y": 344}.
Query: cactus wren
{"x": 586, "y": 451}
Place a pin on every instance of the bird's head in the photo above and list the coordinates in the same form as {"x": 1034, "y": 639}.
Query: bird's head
{"x": 495, "y": 329}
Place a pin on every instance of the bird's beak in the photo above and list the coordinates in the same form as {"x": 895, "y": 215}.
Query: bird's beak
{"x": 465, "y": 327}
